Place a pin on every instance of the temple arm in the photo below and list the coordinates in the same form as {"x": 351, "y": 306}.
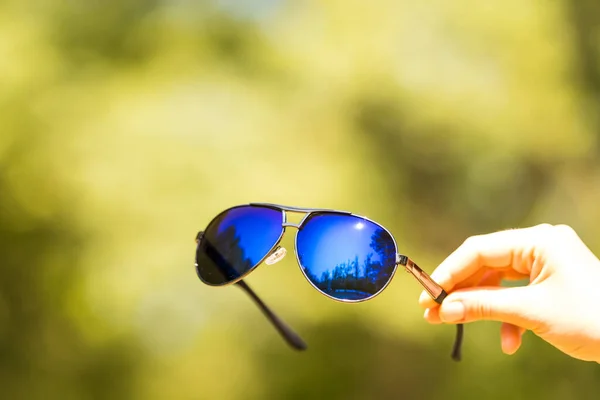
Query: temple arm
{"x": 437, "y": 293}
{"x": 288, "y": 334}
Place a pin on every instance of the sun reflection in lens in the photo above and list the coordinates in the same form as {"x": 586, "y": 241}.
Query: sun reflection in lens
{"x": 359, "y": 225}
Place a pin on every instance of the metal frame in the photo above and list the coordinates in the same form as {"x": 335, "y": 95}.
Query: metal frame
{"x": 437, "y": 293}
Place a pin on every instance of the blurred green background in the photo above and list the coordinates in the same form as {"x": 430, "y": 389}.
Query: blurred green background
{"x": 127, "y": 125}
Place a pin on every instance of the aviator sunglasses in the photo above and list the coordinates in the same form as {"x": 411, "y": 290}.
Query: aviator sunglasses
{"x": 344, "y": 256}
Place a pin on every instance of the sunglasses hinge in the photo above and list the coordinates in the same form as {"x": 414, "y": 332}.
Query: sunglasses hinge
{"x": 401, "y": 259}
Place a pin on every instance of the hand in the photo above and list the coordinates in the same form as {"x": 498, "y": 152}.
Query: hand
{"x": 561, "y": 303}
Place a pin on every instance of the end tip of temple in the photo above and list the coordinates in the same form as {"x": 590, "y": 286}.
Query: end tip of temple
{"x": 291, "y": 337}
{"x": 456, "y": 356}
{"x": 456, "y": 350}
{"x": 298, "y": 344}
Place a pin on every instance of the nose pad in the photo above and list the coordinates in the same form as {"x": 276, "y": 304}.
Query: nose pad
{"x": 276, "y": 256}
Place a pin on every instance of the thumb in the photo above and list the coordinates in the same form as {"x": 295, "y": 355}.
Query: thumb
{"x": 515, "y": 305}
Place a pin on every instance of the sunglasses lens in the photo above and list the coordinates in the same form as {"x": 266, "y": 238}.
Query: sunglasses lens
{"x": 346, "y": 257}
{"x": 236, "y": 241}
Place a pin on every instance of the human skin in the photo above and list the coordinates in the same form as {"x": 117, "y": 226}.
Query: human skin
{"x": 561, "y": 303}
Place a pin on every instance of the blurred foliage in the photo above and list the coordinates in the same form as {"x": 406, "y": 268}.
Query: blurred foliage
{"x": 127, "y": 125}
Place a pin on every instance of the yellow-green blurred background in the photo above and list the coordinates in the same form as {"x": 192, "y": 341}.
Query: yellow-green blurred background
{"x": 125, "y": 126}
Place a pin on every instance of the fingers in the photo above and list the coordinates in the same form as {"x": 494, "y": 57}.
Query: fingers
{"x": 486, "y": 278}
{"x": 510, "y": 249}
{"x": 511, "y": 338}
{"x": 432, "y": 315}
{"x": 510, "y": 335}
{"x": 489, "y": 278}
{"x": 516, "y": 305}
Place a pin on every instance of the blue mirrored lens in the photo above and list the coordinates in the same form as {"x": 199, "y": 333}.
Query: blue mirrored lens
{"x": 236, "y": 241}
{"x": 346, "y": 257}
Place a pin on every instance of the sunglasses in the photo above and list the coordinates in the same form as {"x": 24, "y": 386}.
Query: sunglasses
{"x": 344, "y": 256}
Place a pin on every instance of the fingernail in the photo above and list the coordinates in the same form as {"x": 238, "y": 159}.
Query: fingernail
{"x": 452, "y": 312}
{"x": 424, "y": 296}
{"x": 426, "y": 313}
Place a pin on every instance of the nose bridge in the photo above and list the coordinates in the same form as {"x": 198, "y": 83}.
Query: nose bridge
{"x": 287, "y": 224}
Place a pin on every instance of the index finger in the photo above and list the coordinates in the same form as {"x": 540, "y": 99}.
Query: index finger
{"x": 513, "y": 248}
